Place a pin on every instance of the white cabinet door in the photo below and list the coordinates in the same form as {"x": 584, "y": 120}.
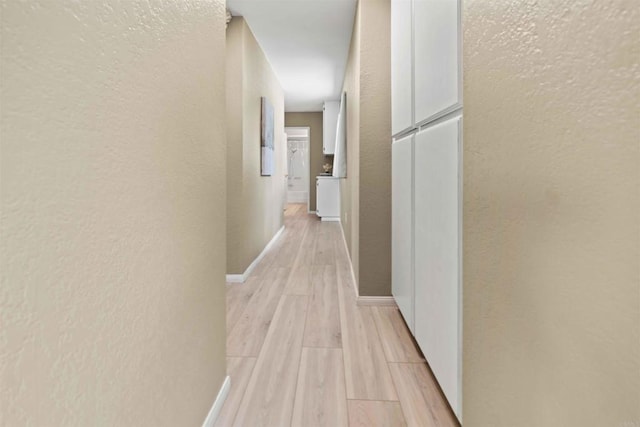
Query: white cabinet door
{"x": 329, "y": 126}
{"x": 401, "y": 227}
{"x": 328, "y": 197}
{"x": 437, "y": 257}
{"x": 436, "y": 57}
{"x": 401, "y": 68}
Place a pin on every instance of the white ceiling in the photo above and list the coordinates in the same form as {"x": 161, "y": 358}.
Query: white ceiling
{"x": 306, "y": 42}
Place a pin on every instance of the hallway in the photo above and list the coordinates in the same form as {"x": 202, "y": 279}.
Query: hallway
{"x": 302, "y": 353}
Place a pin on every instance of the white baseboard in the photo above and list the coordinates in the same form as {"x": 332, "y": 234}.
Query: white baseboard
{"x": 236, "y": 278}
{"x": 365, "y": 300}
{"x": 330, "y": 218}
{"x": 212, "y": 416}
{"x": 379, "y": 301}
{"x": 241, "y": 278}
{"x": 346, "y": 249}
{"x": 311, "y": 212}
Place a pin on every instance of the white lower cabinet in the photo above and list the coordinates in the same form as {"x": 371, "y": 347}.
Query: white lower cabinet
{"x": 328, "y": 198}
{"x": 401, "y": 221}
{"x": 437, "y": 254}
{"x": 426, "y": 257}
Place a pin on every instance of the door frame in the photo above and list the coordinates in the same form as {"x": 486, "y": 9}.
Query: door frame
{"x": 308, "y": 129}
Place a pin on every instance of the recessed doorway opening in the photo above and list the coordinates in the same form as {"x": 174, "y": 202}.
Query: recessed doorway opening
{"x": 298, "y": 160}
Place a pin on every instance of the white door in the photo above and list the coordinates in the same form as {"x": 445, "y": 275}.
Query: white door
{"x": 297, "y": 165}
{"x": 436, "y": 57}
{"x": 401, "y": 225}
{"x": 437, "y": 254}
{"x": 285, "y": 169}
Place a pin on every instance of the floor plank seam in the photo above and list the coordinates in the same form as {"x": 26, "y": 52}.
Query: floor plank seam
{"x": 395, "y": 386}
{"x": 320, "y": 346}
{"x": 341, "y": 308}
{"x": 424, "y": 362}
{"x": 304, "y": 331}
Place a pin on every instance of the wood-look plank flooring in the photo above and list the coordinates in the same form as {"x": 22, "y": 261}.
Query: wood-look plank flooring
{"x": 240, "y": 369}
{"x": 302, "y": 353}
{"x": 323, "y": 309}
{"x": 320, "y": 396}
{"x": 396, "y": 339}
{"x": 375, "y": 413}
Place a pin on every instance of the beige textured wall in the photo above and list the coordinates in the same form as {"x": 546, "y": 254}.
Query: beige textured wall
{"x": 366, "y": 192}
{"x": 551, "y": 213}
{"x": 112, "y": 301}
{"x": 375, "y": 148}
{"x": 236, "y": 217}
{"x": 259, "y": 203}
{"x": 313, "y": 120}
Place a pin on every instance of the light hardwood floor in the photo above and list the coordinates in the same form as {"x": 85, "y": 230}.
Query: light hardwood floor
{"x": 301, "y": 353}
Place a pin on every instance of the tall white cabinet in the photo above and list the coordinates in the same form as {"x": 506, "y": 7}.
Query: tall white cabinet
{"x": 427, "y": 182}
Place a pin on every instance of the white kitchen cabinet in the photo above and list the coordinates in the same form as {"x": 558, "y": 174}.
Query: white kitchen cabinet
{"x": 401, "y": 66}
{"x": 437, "y": 254}
{"x": 437, "y": 65}
{"x": 329, "y": 125}
{"x": 401, "y": 228}
{"x": 328, "y": 198}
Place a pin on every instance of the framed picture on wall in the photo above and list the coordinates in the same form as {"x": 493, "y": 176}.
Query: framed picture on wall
{"x": 266, "y": 139}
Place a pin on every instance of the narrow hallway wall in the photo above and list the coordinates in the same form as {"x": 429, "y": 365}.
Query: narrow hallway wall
{"x": 112, "y": 302}
{"x": 374, "y": 277}
{"x": 254, "y": 203}
{"x": 366, "y": 191}
{"x": 551, "y": 213}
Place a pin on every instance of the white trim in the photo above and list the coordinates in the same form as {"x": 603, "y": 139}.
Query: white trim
{"x": 460, "y": 252}
{"x": 330, "y": 218}
{"x": 212, "y": 416}
{"x": 389, "y": 301}
{"x": 241, "y": 278}
{"x": 311, "y": 212}
{"x": 346, "y": 248}
{"x": 236, "y": 278}
{"x": 379, "y": 301}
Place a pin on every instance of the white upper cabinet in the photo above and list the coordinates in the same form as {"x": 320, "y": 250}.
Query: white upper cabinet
{"x": 401, "y": 67}
{"x": 436, "y": 58}
{"x": 401, "y": 227}
{"x": 437, "y": 247}
{"x": 329, "y": 126}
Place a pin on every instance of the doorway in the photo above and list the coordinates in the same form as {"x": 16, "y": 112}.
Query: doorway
{"x": 298, "y": 160}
